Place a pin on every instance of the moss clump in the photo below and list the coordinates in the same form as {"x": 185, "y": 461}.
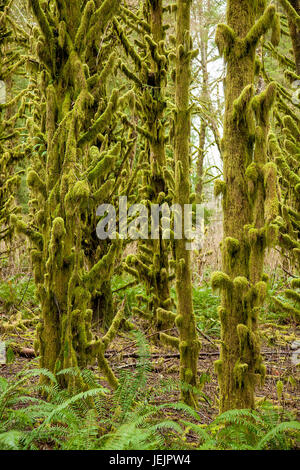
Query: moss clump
{"x": 179, "y": 321}
{"x": 231, "y": 245}
{"x": 296, "y": 283}
{"x": 218, "y": 365}
{"x": 219, "y": 188}
{"x": 220, "y": 280}
{"x": 165, "y": 316}
{"x": 241, "y": 284}
{"x": 240, "y": 371}
{"x": 170, "y": 341}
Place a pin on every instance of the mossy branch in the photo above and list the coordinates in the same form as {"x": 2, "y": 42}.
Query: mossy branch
{"x": 260, "y": 27}
{"x": 291, "y": 12}
{"x": 101, "y": 17}
{"x": 102, "y": 122}
{"x": 42, "y": 20}
{"x": 113, "y": 330}
{"x": 225, "y": 39}
{"x": 169, "y": 340}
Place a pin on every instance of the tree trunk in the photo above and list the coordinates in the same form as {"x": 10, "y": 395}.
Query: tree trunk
{"x": 185, "y": 320}
{"x": 295, "y": 32}
{"x": 249, "y": 184}
{"x": 151, "y": 264}
{"x": 66, "y": 181}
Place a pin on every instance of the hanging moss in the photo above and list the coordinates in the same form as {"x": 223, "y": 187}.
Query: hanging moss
{"x": 291, "y": 11}
{"x": 167, "y": 315}
{"x": 170, "y": 341}
{"x": 220, "y": 280}
{"x": 276, "y": 31}
{"x": 296, "y": 283}
{"x": 285, "y": 150}
{"x": 219, "y": 188}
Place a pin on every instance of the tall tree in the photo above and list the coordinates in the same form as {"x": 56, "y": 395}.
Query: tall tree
{"x": 72, "y": 172}
{"x": 285, "y": 149}
{"x": 149, "y": 74}
{"x": 185, "y": 320}
{"x": 292, "y": 8}
{"x": 205, "y": 85}
{"x": 12, "y": 109}
{"x": 249, "y": 201}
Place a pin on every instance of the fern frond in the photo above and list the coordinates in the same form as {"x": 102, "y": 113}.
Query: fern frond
{"x": 278, "y": 431}
{"x": 10, "y": 440}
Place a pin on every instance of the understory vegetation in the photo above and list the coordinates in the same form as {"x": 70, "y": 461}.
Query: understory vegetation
{"x": 84, "y": 421}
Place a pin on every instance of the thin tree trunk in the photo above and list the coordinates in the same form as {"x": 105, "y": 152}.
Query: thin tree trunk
{"x": 295, "y": 32}
{"x": 189, "y": 344}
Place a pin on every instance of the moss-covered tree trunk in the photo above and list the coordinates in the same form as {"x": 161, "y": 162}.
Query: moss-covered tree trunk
{"x": 203, "y": 36}
{"x": 249, "y": 202}
{"x": 285, "y": 149}
{"x": 12, "y": 109}
{"x": 70, "y": 175}
{"x": 158, "y": 161}
{"x": 185, "y": 320}
{"x": 200, "y": 162}
{"x": 292, "y": 8}
{"x": 151, "y": 264}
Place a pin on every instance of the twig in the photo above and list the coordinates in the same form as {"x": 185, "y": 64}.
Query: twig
{"x": 24, "y": 293}
{"x": 287, "y": 272}
{"x": 130, "y": 284}
{"x": 206, "y": 337}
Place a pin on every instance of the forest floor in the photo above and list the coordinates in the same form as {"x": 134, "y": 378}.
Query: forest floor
{"x": 123, "y": 355}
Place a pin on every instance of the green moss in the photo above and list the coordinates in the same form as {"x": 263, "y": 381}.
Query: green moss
{"x": 292, "y": 126}
{"x": 188, "y": 375}
{"x": 260, "y": 27}
{"x": 58, "y": 228}
{"x": 295, "y": 283}
{"x": 165, "y": 315}
{"x": 179, "y": 321}
{"x": 241, "y": 284}
{"x": 279, "y": 389}
{"x": 220, "y": 280}
{"x": 225, "y": 39}
{"x": 292, "y": 13}
{"x": 292, "y": 295}
{"x": 276, "y": 31}
{"x": 231, "y": 246}
{"x": 252, "y": 172}
{"x": 261, "y": 290}
{"x": 218, "y": 365}
{"x": 170, "y": 341}
{"x": 240, "y": 372}
{"x": 220, "y": 187}
{"x": 263, "y": 373}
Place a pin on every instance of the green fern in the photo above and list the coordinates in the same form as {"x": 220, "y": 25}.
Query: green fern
{"x": 128, "y": 418}
{"x": 245, "y": 430}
